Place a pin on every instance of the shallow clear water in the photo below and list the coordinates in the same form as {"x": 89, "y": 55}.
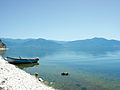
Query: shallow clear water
{"x": 87, "y": 70}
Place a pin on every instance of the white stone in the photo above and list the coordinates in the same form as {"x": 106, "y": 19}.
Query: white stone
{"x": 13, "y": 78}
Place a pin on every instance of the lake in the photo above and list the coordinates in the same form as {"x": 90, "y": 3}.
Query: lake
{"x": 92, "y": 70}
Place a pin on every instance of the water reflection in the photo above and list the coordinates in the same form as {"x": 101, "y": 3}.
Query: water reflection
{"x": 28, "y": 52}
{"x": 94, "y": 52}
{"x": 2, "y": 52}
{"x": 35, "y": 52}
{"x": 23, "y": 66}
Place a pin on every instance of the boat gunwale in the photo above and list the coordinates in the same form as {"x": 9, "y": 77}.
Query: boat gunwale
{"x": 20, "y": 59}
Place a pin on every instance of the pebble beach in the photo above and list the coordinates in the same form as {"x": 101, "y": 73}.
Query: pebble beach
{"x": 13, "y": 78}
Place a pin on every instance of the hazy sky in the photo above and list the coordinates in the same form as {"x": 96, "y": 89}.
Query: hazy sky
{"x": 60, "y": 19}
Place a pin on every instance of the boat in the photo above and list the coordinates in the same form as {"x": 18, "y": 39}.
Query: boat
{"x": 20, "y": 60}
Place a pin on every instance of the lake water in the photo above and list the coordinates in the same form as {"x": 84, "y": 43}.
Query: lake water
{"x": 87, "y": 70}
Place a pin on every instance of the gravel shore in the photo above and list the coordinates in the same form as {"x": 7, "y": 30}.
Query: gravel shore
{"x": 13, "y": 78}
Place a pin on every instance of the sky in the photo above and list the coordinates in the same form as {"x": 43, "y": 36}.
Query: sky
{"x": 63, "y": 20}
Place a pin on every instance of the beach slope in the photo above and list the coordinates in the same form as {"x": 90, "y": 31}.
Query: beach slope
{"x": 13, "y": 78}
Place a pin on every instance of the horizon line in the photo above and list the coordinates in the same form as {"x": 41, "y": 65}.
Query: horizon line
{"x": 59, "y": 40}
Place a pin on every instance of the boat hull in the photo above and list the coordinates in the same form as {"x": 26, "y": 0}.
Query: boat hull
{"x": 20, "y": 61}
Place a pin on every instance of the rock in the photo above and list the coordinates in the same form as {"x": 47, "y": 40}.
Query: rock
{"x": 40, "y": 79}
{"x": 64, "y": 73}
{"x": 51, "y": 83}
{"x": 2, "y": 45}
{"x": 36, "y": 74}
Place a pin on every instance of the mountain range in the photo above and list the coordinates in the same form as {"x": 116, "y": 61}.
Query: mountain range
{"x": 94, "y": 44}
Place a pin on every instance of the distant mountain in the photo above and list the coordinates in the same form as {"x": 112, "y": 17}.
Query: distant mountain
{"x": 33, "y": 47}
{"x": 42, "y": 43}
{"x": 94, "y": 44}
{"x": 2, "y": 45}
{"x": 36, "y": 43}
{"x": 60, "y": 42}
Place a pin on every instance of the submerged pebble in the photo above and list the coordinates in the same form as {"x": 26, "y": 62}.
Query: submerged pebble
{"x": 78, "y": 85}
{"x": 84, "y": 88}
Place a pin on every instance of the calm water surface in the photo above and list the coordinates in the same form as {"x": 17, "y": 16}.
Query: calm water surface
{"x": 87, "y": 70}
